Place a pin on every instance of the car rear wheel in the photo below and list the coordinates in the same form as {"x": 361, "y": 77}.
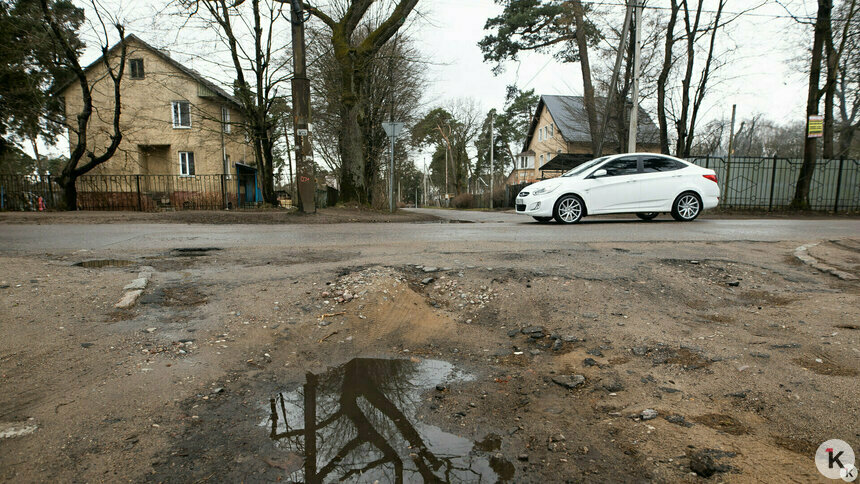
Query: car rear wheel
{"x": 569, "y": 209}
{"x": 543, "y": 220}
{"x": 686, "y": 207}
{"x": 647, "y": 215}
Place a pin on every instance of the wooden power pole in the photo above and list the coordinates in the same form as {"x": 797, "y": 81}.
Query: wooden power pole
{"x": 301, "y": 90}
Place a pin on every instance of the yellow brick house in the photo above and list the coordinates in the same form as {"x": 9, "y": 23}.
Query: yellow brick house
{"x": 179, "y": 129}
{"x": 559, "y": 139}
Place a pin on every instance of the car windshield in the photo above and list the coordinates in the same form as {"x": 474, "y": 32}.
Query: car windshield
{"x": 581, "y": 168}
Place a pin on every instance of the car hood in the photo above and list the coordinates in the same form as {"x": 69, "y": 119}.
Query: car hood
{"x": 551, "y": 183}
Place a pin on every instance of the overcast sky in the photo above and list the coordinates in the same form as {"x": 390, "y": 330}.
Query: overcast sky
{"x": 760, "y": 77}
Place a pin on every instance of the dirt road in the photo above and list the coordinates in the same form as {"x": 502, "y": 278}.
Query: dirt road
{"x": 499, "y": 361}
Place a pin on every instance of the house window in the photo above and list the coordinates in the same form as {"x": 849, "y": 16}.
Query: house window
{"x": 540, "y": 134}
{"x": 541, "y": 160}
{"x": 181, "y": 114}
{"x": 186, "y": 163}
{"x": 225, "y": 119}
{"x": 136, "y": 68}
{"x": 551, "y": 130}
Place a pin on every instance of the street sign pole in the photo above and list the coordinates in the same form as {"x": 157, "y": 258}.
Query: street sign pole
{"x": 492, "y": 142}
{"x": 392, "y": 130}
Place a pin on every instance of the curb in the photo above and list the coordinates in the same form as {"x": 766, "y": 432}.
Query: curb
{"x": 802, "y": 254}
{"x": 135, "y": 288}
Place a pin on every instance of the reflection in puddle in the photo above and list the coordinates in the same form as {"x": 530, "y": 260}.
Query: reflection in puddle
{"x": 357, "y": 422}
{"x": 97, "y": 263}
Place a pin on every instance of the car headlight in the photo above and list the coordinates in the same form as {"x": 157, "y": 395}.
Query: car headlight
{"x": 543, "y": 190}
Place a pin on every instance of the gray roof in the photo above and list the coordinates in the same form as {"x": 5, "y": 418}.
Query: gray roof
{"x": 188, "y": 71}
{"x": 571, "y": 121}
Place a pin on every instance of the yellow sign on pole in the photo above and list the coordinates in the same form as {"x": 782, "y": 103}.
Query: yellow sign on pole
{"x": 815, "y": 127}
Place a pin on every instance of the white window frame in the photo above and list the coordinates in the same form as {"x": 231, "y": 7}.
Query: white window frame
{"x": 551, "y": 131}
{"x": 176, "y": 111}
{"x": 142, "y": 74}
{"x": 184, "y": 166}
{"x": 225, "y": 119}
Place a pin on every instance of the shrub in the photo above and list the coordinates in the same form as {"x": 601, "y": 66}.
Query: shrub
{"x": 464, "y": 200}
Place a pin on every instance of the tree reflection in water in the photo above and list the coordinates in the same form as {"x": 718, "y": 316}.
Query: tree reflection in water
{"x": 357, "y": 422}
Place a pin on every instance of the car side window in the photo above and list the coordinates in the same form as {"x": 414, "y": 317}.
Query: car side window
{"x": 621, "y": 166}
{"x": 655, "y": 164}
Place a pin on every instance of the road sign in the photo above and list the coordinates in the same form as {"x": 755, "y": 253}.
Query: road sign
{"x": 392, "y": 130}
{"x": 815, "y": 127}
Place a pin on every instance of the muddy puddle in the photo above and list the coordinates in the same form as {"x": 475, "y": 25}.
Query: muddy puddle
{"x": 361, "y": 422}
{"x": 99, "y": 263}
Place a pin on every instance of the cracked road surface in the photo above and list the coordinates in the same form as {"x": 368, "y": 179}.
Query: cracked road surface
{"x": 498, "y": 350}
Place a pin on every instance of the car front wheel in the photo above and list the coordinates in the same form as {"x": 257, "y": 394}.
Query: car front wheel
{"x": 569, "y": 209}
{"x": 647, "y": 215}
{"x": 543, "y": 220}
{"x": 687, "y": 207}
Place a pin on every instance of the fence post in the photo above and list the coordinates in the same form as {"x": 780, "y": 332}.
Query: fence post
{"x": 838, "y": 184}
{"x": 139, "y": 201}
{"x": 223, "y": 193}
{"x": 51, "y": 191}
{"x": 772, "y": 184}
{"x": 707, "y": 161}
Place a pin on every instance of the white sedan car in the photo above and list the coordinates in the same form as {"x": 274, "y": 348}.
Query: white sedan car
{"x": 642, "y": 183}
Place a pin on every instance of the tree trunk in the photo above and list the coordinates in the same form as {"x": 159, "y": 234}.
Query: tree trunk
{"x": 352, "y": 177}
{"x": 70, "y": 191}
{"x": 804, "y": 178}
{"x": 588, "y": 87}
{"x": 663, "y": 78}
{"x": 691, "y": 30}
{"x": 832, "y": 57}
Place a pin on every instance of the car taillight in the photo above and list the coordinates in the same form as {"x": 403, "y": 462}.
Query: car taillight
{"x": 713, "y": 178}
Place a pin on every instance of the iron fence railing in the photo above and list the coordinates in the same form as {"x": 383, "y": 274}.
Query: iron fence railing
{"x": 769, "y": 183}
{"x": 125, "y": 192}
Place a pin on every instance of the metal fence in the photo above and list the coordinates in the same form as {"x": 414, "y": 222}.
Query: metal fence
{"x": 126, "y": 192}
{"x": 769, "y": 183}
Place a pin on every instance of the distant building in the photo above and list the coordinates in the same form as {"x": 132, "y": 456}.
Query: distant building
{"x": 559, "y": 139}
{"x": 174, "y": 122}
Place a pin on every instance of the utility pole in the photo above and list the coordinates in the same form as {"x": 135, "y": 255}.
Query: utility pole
{"x": 729, "y": 156}
{"x": 492, "y": 142}
{"x": 301, "y": 90}
{"x": 618, "y": 56}
{"x": 637, "y": 61}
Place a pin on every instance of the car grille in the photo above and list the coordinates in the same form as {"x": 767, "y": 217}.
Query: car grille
{"x": 524, "y": 194}
{"x": 521, "y": 208}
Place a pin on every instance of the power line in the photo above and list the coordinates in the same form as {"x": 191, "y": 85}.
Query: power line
{"x": 655, "y": 7}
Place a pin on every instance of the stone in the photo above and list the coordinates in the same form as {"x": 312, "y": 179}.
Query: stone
{"x": 639, "y": 350}
{"x": 129, "y": 299}
{"x": 785, "y": 346}
{"x": 704, "y": 462}
{"x": 589, "y": 362}
{"x": 139, "y": 283}
{"x": 534, "y": 352}
{"x": 557, "y": 345}
{"x": 535, "y": 332}
{"x": 86, "y": 345}
{"x": 733, "y": 284}
{"x": 613, "y": 386}
{"x": 669, "y": 390}
{"x": 595, "y": 352}
{"x": 760, "y": 355}
{"x": 523, "y": 457}
{"x": 571, "y": 339}
{"x": 678, "y": 420}
{"x": 440, "y": 387}
{"x": 151, "y": 330}
{"x": 648, "y": 414}
{"x": 513, "y": 332}
{"x": 430, "y": 269}
{"x": 569, "y": 381}
{"x": 737, "y": 394}
{"x": 427, "y": 280}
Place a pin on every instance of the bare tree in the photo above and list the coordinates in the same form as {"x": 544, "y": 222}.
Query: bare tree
{"x": 250, "y": 33}
{"x": 83, "y": 157}
{"x": 353, "y": 54}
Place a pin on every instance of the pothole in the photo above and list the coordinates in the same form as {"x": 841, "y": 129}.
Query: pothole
{"x": 194, "y": 251}
{"x": 364, "y": 427}
{"x": 99, "y": 263}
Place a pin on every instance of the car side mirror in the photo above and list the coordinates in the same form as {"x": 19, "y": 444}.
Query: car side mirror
{"x": 599, "y": 173}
